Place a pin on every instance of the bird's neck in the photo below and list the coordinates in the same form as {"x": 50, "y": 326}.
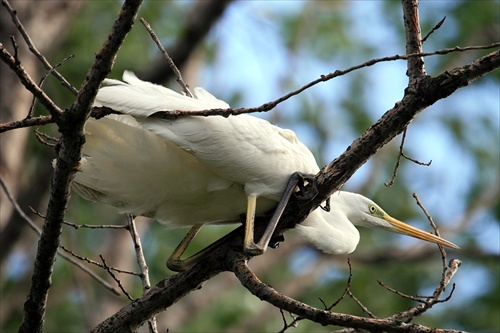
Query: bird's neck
{"x": 329, "y": 232}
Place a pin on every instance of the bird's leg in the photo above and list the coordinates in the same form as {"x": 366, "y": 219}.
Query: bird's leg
{"x": 178, "y": 265}
{"x": 250, "y": 247}
{"x": 301, "y": 184}
{"x": 175, "y": 262}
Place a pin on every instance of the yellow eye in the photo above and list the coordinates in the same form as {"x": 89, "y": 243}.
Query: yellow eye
{"x": 372, "y": 209}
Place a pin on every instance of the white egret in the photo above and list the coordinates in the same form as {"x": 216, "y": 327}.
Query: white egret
{"x": 207, "y": 170}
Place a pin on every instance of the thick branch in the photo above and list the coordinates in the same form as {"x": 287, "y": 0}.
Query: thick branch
{"x": 71, "y": 126}
{"x": 411, "y": 20}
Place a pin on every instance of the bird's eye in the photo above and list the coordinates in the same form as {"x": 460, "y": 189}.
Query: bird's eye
{"x": 373, "y": 209}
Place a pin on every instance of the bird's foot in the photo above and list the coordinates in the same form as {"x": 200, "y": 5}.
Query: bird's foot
{"x": 307, "y": 185}
{"x": 326, "y": 207}
{"x": 275, "y": 241}
{"x": 253, "y": 249}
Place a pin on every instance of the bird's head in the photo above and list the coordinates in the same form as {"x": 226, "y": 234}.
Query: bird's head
{"x": 364, "y": 212}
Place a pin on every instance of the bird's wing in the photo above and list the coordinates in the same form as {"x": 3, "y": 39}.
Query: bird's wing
{"x": 141, "y": 99}
{"x": 243, "y": 149}
{"x": 138, "y": 172}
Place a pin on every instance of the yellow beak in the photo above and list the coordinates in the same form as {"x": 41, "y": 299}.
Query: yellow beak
{"x": 407, "y": 229}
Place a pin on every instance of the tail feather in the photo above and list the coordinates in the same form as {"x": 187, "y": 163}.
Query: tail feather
{"x": 141, "y": 99}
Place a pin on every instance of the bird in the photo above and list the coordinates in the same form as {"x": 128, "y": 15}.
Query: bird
{"x": 196, "y": 170}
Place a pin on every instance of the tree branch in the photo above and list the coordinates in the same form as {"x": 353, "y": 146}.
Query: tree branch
{"x": 34, "y": 50}
{"x": 98, "y": 112}
{"x": 411, "y": 21}
{"x": 268, "y": 294}
{"x": 28, "y": 82}
{"x": 71, "y": 126}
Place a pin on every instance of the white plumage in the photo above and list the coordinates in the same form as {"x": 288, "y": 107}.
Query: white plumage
{"x": 204, "y": 170}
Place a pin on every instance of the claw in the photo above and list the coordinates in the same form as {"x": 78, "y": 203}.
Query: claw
{"x": 275, "y": 241}
{"x": 326, "y": 207}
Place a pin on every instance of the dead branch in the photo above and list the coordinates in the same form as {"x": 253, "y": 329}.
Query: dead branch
{"x": 38, "y": 231}
{"x": 143, "y": 266}
{"x": 120, "y": 285}
{"x": 71, "y": 126}
{"x": 411, "y": 21}
{"x": 28, "y": 82}
{"x": 168, "y": 58}
{"x": 398, "y": 160}
{"x": 268, "y": 294}
{"x": 98, "y": 112}
{"x": 35, "y": 51}
{"x": 198, "y": 22}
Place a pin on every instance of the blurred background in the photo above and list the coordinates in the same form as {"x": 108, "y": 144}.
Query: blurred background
{"x": 248, "y": 53}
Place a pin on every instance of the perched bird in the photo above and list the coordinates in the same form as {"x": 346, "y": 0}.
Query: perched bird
{"x": 199, "y": 170}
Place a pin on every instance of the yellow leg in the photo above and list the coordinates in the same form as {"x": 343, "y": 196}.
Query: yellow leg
{"x": 175, "y": 262}
{"x": 178, "y": 265}
{"x": 260, "y": 247}
{"x": 249, "y": 245}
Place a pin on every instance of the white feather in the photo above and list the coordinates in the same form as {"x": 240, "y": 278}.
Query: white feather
{"x": 202, "y": 169}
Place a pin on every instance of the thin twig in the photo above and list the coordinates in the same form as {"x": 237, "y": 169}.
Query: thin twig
{"x": 98, "y": 112}
{"x": 361, "y": 305}
{"x": 96, "y": 263}
{"x": 416, "y": 161}
{"x": 28, "y": 82}
{"x": 398, "y": 161}
{"x": 96, "y": 226}
{"x": 16, "y": 49}
{"x": 346, "y": 290}
{"x": 286, "y": 326}
{"x": 169, "y": 59}
{"x": 431, "y": 221}
{"x": 441, "y": 248}
{"x": 89, "y": 226}
{"x": 42, "y": 80}
{"x": 37, "y": 121}
{"x": 323, "y": 78}
{"x": 38, "y": 231}
{"x": 122, "y": 288}
{"x": 447, "y": 273}
{"x": 437, "y": 26}
{"x": 42, "y": 138}
{"x": 397, "y": 292}
{"x": 33, "y": 49}
{"x": 143, "y": 266}
{"x": 408, "y": 315}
